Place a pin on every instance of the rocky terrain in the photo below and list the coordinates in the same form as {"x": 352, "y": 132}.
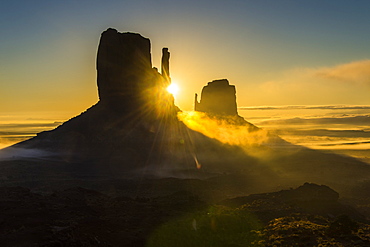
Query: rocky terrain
{"x": 309, "y": 215}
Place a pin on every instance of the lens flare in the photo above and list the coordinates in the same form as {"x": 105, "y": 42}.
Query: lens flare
{"x": 173, "y": 89}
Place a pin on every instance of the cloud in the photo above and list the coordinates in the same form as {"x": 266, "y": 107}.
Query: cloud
{"x": 338, "y": 133}
{"x": 346, "y": 143}
{"x": 233, "y": 131}
{"x": 29, "y": 125}
{"x": 8, "y": 140}
{"x": 309, "y": 107}
{"x": 11, "y": 133}
{"x": 357, "y": 71}
{"x": 347, "y": 83}
{"x": 356, "y": 120}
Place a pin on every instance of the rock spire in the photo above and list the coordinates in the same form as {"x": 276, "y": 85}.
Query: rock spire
{"x": 125, "y": 77}
{"x": 165, "y": 66}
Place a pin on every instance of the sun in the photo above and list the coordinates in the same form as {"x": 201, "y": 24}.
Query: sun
{"x": 173, "y": 89}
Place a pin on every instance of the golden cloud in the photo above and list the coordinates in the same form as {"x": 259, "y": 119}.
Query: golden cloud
{"x": 358, "y": 72}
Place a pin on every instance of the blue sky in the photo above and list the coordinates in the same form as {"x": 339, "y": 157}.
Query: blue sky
{"x": 276, "y": 52}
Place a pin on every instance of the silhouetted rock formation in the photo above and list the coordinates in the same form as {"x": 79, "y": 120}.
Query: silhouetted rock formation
{"x": 134, "y": 125}
{"x": 218, "y": 97}
{"x": 126, "y": 79}
{"x": 165, "y": 68}
{"x": 123, "y": 63}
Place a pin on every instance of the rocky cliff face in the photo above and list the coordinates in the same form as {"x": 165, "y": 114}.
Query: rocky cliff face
{"x": 219, "y": 98}
{"x": 125, "y": 74}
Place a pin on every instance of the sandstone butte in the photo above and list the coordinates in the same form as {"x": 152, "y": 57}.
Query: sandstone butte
{"x": 134, "y": 124}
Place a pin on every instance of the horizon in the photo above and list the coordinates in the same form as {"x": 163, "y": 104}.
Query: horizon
{"x": 333, "y": 128}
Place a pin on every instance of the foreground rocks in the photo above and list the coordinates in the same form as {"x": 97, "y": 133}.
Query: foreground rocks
{"x": 82, "y": 217}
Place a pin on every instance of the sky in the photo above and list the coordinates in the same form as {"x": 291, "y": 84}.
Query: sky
{"x": 276, "y": 52}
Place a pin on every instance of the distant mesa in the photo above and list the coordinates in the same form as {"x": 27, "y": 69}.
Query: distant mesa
{"x": 217, "y": 98}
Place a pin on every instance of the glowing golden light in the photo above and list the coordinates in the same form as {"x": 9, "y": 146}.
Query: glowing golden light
{"x": 173, "y": 89}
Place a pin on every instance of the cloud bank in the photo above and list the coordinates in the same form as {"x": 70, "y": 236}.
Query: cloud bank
{"x": 11, "y": 133}
{"x": 356, "y": 120}
{"x": 305, "y": 107}
{"x": 357, "y": 72}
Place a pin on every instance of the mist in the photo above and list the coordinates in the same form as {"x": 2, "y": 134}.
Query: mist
{"x": 230, "y": 130}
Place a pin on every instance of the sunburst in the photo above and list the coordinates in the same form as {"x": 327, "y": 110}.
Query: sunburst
{"x": 173, "y": 89}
